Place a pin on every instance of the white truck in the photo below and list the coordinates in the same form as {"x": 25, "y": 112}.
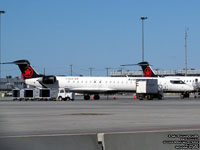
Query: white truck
{"x": 64, "y": 94}
{"x": 148, "y": 88}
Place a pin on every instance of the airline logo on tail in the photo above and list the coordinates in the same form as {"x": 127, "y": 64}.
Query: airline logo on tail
{"x": 28, "y": 72}
{"x": 147, "y": 72}
{"x": 146, "y": 68}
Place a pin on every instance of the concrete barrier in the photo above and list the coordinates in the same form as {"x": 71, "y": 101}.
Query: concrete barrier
{"x": 162, "y": 140}
{"x": 50, "y": 142}
{"x": 151, "y": 140}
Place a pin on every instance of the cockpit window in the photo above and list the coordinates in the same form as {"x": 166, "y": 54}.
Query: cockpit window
{"x": 177, "y": 82}
{"x": 66, "y": 90}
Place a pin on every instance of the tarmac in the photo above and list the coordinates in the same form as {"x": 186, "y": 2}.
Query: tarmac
{"x": 125, "y": 114}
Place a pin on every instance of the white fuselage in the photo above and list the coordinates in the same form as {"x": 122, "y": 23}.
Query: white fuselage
{"x": 108, "y": 84}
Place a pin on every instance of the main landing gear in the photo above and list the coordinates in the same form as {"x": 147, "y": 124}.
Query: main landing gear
{"x": 95, "y": 97}
{"x": 86, "y": 97}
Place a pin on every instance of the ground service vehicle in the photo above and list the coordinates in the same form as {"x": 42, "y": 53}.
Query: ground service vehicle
{"x": 64, "y": 94}
{"x": 148, "y": 88}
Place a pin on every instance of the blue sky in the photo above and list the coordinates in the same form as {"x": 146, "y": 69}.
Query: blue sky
{"x": 53, "y": 34}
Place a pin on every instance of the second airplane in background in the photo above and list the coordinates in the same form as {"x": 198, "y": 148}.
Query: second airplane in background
{"x": 189, "y": 80}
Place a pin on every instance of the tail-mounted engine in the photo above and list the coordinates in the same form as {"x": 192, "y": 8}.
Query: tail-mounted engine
{"x": 48, "y": 80}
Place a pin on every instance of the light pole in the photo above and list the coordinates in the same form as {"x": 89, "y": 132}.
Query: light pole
{"x": 70, "y": 69}
{"x": 107, "y": 69}
{"x": 143, "y": 18}
{"x": 186, "y": 51}
{"x": 91, "y": 71}
{"x": 1, "y": 12}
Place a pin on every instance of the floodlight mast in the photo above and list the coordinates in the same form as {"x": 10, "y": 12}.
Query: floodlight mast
{"x": 143, "y": 18}
{"x": 1, "y": 12}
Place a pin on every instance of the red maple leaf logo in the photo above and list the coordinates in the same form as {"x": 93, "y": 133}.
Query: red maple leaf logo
{"x": 148, "y": 72}
{"x": 28, "y": 72}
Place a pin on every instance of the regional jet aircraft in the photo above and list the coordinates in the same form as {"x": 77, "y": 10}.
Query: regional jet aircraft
{"x": 93, "y": 85}
{"x": 190, "y": 80}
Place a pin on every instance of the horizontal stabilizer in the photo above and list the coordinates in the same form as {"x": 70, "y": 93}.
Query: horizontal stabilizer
{"x": 144, "y": 63}
{"x": 18, "y": 62}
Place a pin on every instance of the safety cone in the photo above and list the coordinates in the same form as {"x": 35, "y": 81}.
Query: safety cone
{"x": 133, "y": 97}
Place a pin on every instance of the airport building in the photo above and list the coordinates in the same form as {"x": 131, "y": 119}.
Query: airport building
{"x": 190, "y": 72}
{"x": 9, "y": 83}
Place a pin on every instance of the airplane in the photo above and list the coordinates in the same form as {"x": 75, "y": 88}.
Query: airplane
{"x": 93, "y": 85}
{"x": 190, "y": 80}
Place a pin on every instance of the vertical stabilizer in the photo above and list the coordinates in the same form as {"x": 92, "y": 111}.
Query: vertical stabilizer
{"x": 25, "y": 68}
{"x": 147, "y": 70}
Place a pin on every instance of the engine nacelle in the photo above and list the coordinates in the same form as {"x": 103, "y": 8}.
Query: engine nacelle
{"x": 48, "y": 79}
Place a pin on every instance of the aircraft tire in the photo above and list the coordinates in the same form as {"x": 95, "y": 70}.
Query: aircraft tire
{"x": 86, "y": 97}
{"x": 96, "y": 97}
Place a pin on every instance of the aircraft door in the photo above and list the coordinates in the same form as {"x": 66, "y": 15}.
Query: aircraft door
{"x": 165, "y": 86}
